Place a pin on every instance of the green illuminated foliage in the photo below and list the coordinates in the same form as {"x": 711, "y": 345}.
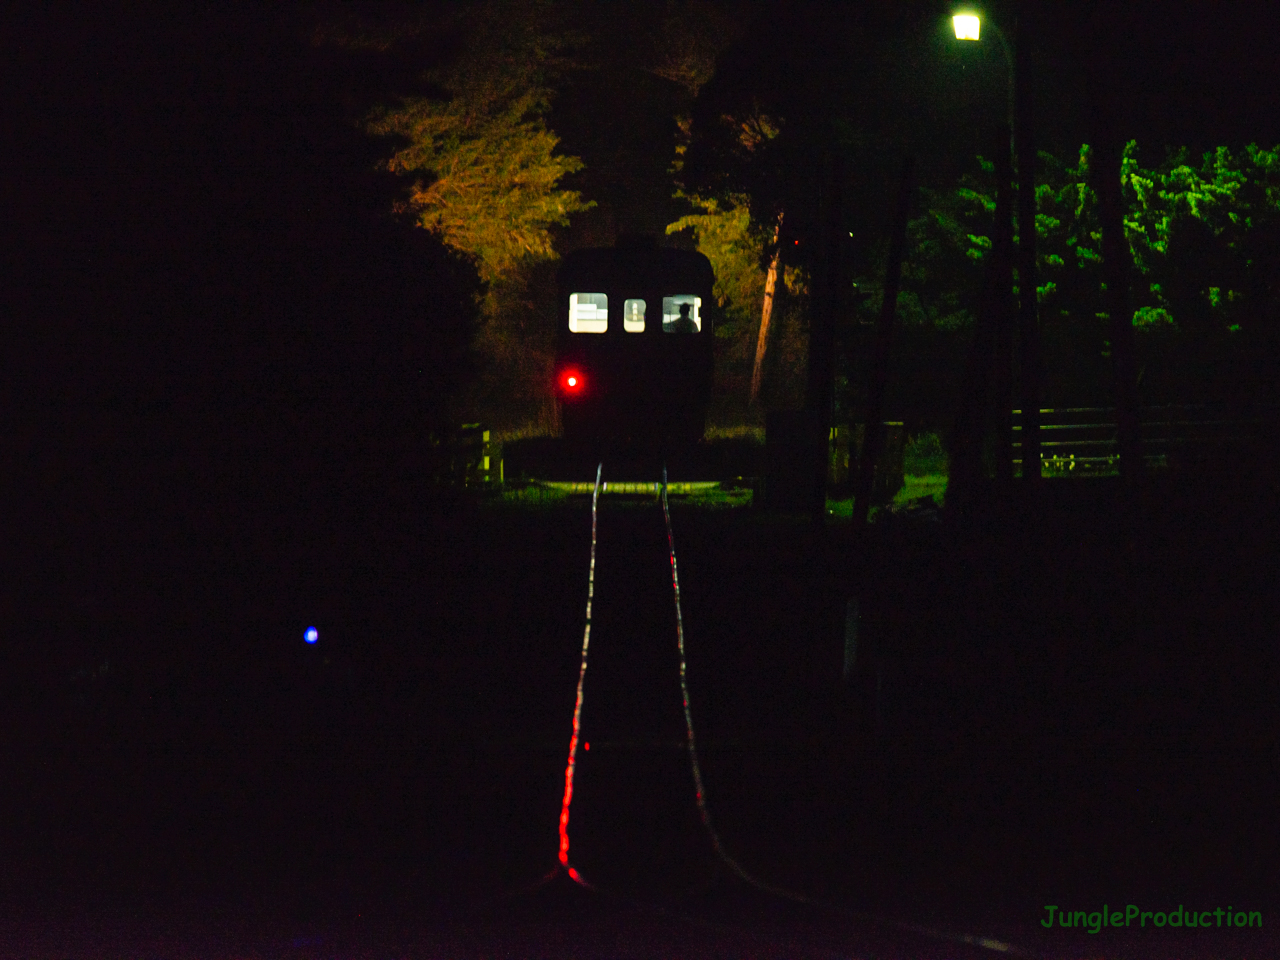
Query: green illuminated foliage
{"x": 1204, "y": 237}
{"x": 1068, "y": 239}
{"x": 948, "y": 237}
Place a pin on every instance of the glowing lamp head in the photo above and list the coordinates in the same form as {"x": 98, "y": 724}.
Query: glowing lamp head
{"x": 311, "y": 635}
{"x": 572, "y": 381}
{"x": 967, "y": 26}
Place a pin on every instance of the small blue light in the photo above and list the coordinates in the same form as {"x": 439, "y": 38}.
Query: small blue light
{"x": 312, "y": 635}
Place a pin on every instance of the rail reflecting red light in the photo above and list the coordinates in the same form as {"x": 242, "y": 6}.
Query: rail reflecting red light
{"x": 577, "y": 707}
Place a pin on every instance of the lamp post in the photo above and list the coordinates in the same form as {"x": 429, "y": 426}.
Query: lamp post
{"x": 968, "y": 27}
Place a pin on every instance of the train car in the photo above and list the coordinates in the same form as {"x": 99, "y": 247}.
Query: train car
{"x": 635, "y": 350}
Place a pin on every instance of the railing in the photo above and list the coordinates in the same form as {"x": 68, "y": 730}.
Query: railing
{"x": 1083, "y": 439}
{"x": 474, "y": 458}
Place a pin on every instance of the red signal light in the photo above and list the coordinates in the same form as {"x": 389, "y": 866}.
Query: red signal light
{"x": 572, "y": 381}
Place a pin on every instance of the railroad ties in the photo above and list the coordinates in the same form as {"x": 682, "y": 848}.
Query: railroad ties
{"x": 633, "y": 488}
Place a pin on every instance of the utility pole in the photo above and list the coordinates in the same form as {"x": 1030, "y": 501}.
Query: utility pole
{"x": 999, "y": 299}
{"x": 990, "y": 326}
{"x": 873, "y": 435}
{"x": 766, "y": 311}
{"x": 1115, "y": 272}
{"x": 821, "y": 386}
{"x": 1028, "y": 313}
{"x": 1002, "y": 254}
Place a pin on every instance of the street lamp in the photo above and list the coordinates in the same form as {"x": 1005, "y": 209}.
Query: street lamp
{"x": 968, "y": 26}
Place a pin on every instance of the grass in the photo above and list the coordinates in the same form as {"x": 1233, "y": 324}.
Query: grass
{"x": 530, "y": 495}
{"x": 535, "y": 495}
{"x": 925, "y": 463}
{"x": 924, "y": 459}
{"x": 740, "y": 432}
{"x": 929, "y": 485}
{"x": 924, "y": 456}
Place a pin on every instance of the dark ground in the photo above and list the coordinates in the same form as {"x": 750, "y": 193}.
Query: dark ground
{"x": 1077, "y": 725}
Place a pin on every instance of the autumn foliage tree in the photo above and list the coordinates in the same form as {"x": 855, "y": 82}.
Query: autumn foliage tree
{"x": 745, "y": 249}
{"x": 487, "y": 174}
{"x": 486, "y": 179}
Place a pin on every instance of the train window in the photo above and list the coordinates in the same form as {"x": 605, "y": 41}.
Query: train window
{"x": 633, "y": 316}
{"x": 588, "y": 312}
{"x": 680, "y": 314}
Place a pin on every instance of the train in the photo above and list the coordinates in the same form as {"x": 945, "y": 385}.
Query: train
{"x": 635, "y": 347}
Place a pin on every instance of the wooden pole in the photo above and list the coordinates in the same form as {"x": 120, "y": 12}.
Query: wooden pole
{"x": 1115, "y": 272}
{"x": 766, "y": 311}
{"x": 1028, "y": 313}
{"x": 822, "y": 336}
{"x": 873, "y": 434}
{"x": 973, "y": 417}
{"x": 1002, "y": 253}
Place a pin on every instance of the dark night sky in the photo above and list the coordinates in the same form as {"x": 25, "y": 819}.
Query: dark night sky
{"x": 1193, "y": 73}
{"x": 212, "y": 325}
{"x": 112, "y": 103}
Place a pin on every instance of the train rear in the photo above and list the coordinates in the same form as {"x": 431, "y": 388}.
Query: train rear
{"x": 635, "y": 348}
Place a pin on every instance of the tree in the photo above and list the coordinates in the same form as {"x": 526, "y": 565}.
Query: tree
{"x": 488, "y": 172}
{"x": 494, "y": 189}
{"x": 743, "y": 238}
{"x": 692, "y": 34}
{"x": 487, "y": 182}
{"x": 1204, "y": 237}
{"x": 726, "y": 236}
{"x": 792, "y": 95}
{"x": 749, "y": 274}
{"x": 1206, "y": 279}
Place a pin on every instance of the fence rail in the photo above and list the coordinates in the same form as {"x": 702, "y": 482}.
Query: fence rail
{"x": 1167, "y": 433}
{"x": 475, "y": 459}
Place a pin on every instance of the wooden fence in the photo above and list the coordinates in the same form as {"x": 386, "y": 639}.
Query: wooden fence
{"x": 1083, "y": 439}
{"x": 475, "y": 459}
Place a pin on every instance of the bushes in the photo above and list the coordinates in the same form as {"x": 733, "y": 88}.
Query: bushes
{"x": 924, "y": 456}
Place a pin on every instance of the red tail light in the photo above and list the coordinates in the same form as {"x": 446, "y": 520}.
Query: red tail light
{"x": 572, "y": 382}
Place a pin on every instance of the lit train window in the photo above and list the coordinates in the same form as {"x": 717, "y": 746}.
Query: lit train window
{"x": 680, "y": 314}
{"x": 633, "y": 316}
{"x": 588, "y": 312}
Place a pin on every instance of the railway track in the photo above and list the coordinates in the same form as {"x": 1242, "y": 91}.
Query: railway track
{"x": 831, "y": 930}
{"x": 565, "y": 461}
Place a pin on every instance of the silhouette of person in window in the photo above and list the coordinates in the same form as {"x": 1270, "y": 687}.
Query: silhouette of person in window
{"x": 683, "y": 323}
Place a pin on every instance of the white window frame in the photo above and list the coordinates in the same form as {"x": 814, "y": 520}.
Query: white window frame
{"x": 589, "y": 317}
